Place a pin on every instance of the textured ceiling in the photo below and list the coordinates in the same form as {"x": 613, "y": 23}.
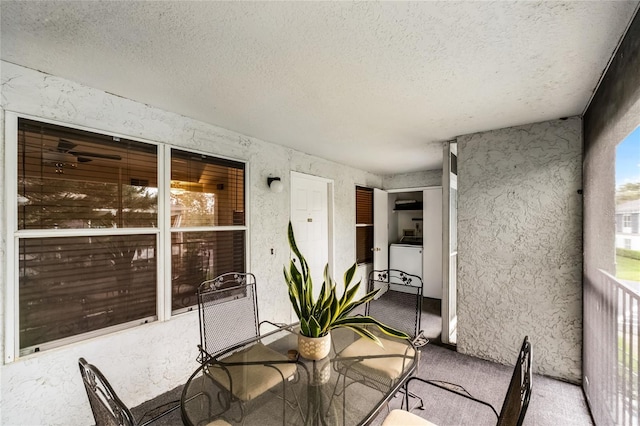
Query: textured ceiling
{"x": 377, "y": 86}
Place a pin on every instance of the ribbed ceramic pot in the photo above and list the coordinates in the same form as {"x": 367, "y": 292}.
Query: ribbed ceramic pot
{"x": 314, "y": 348}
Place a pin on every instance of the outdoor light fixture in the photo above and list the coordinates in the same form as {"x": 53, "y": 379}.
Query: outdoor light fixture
{"x": 275, "y": 184}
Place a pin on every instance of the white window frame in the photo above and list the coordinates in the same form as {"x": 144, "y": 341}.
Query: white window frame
{"x": 162, "y": 232}
{"x": 626, "y": 220}
{"x": 171, "y": 230}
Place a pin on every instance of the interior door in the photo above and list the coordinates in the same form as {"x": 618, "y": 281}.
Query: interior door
{"x": 310, "y": 221}
{"x": 449, "y": 242}
{"x": 380, "y": 229}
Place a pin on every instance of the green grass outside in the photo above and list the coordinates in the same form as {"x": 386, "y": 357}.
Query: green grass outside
{"x": 627, "y": 268}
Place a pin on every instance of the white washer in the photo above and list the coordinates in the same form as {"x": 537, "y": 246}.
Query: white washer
{"x": 406, "y": 258}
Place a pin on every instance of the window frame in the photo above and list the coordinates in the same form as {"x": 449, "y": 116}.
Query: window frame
{"x": 162, "y": 232}
{"x": 201, "y": 228}
{"x": 626, "y": 221}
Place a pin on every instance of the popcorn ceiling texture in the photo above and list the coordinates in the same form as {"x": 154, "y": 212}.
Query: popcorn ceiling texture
{"x": 396, "y": 78}
{"x": 520, "y": 245}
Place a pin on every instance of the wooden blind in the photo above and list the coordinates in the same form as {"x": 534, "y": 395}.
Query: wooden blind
{"x": 206, "y": 192}
{"x": 364, "y": 206}
{"x": 364, "y": 224}
{"x": 76, "y": 179}
{"x": 85, "y": 183}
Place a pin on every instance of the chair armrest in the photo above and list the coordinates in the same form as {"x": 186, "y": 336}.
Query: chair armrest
{"x": 449, "y": 387}
{"x": 420, "y": 340}
{"x": 277, "y": 325}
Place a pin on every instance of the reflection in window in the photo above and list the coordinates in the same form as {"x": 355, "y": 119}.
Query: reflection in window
{"x": 69, "y": 178}
{"x": 200, "y": 256}
{"x": 206, "y": 193}
{"x": 73, "y": 285}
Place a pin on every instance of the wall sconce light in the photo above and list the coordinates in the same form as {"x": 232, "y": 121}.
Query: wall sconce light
{"x": 275, "y": 184}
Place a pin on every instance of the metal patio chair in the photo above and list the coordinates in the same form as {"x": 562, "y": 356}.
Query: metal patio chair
{"x": 398, "y": 304}
{"x": 229, "y": 341}
{"x": 107, "y": 408}
{"x": 515, "y": 403}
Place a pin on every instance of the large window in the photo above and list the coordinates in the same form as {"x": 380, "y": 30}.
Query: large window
{"x": 364, "y": 224}
{"x": 89, "y": 226}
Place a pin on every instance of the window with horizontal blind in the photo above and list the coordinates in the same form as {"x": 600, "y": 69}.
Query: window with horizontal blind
{"x": 207, "y": 197}
{"x": 364, "y": 224}
{"x": 88, "y": 234}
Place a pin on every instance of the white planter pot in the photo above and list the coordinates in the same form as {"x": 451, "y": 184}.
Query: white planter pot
{"x": 314, "y": 348}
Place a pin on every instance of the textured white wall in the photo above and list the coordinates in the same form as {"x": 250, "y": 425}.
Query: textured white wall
{"x": 145, "y": 361}
{"x": 520, "y": 245}
{"x": 412, "y": 180}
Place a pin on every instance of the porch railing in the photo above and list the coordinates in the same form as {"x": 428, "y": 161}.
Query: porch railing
{"x": 612, "y": 350}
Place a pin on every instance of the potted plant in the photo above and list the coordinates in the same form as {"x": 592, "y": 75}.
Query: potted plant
{"x": 328, "y": 311}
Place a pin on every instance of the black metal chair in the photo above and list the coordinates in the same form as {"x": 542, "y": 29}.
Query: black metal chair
{"x": 515, "y": 403}
{"x": 398, "y": 304}
{"x": 107, "y": 408}
{"x": 229, "y": 341}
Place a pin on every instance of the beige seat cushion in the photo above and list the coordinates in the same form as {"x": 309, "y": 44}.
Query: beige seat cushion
{"x": 405, "y": 418}
{"x": 250, "y": 381}
{"x": 387, "y": 367}
{"x": 219, "y": 422}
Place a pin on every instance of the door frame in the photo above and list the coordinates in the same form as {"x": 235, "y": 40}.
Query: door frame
{"x": 449, "y": 309}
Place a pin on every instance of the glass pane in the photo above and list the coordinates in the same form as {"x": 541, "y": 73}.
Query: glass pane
{"x": 74, "y": 285}
{"x": 206, "y": 191}
{"x": 199, "y": 256}
{"x": 364, "y": 244}
{"x": 70, "y": 178}
{"x": 627, "y": 215}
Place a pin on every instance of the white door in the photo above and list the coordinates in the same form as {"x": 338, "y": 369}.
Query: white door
{"x": 310, "y": 220}
{"x": 380, "y": 229}
{"x": 432, "y": 243}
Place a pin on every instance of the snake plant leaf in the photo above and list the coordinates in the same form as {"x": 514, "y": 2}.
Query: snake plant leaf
{"x": 325, "y": 320}
{"x": 349, "y": 295}
{"x": 314, "y": 327}
{"x": 370, "y": 321}
{"x": 365, "y": 299}
{"x": 304, "y": 327}
{"x": 296, "y": 251}
{"x": 365, "y": 333}
{"x": 348, "y": 275}
{"x": 294, "y": 303}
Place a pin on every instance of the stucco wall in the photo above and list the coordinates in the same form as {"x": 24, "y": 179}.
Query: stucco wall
{"x": 412, "y": 180}
{"x": 142, "y": 362}
{"x": 520, "y": 245}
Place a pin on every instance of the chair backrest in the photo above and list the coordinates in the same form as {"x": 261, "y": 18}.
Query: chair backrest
{"x": 518, "y": 395}
{"x": 107, "y": 408}
{"x": 228, "y": 311}
{"x": 399, "y": 301}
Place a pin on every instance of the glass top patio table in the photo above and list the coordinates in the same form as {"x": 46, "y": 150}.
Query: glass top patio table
{"x": 319, "y": 393}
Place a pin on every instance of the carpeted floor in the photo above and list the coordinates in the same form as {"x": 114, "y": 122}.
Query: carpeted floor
{"x": 553, "y": 402}
{"x": 431, "y": 320}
